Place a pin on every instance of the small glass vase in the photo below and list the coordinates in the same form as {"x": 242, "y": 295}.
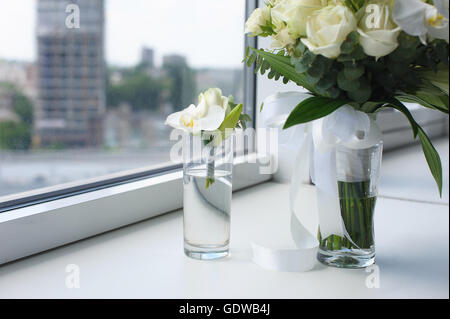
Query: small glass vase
{"x": 207, "y": 187}
{"x": 358, "y": 172}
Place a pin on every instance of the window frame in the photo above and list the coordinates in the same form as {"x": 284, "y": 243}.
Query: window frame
{"x": 42, "y": 195}
{"x": 43, "y": 219}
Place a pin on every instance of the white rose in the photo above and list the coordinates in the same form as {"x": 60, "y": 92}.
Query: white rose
{"x": 289, "y": 20}
{"x": 208, "y": 115}
{"x": 282, "y": 39}
{"x": 378, "y": 33}
{"x": 258, "y": 18}
{"x": 327, "y": 28}
{"x": 293, "y": 15}
{"x": 298, "y": 14}
{"x": 421, "y": 19}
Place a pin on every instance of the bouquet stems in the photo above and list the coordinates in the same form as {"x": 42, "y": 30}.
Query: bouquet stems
{"x": 210, "y": 168}
{"x": 357, "y": 211}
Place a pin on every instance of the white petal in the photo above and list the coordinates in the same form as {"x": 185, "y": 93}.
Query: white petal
{"x": 330, "y": 51}
{"x": 226, "y": 106}
{"x": 174, "y": 120}
{"x": 201, "y": 109}
{"x": 213, "y": 120}
{"x": 213, "y": 96}
{"x": 439, "y": 32}
{"x": 410, "y": 16}
{"x": 379, "y": 43}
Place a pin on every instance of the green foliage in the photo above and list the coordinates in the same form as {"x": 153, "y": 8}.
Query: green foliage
{"x": 278, "y": 66}
{"x": 145, "y": 92}
{"x": 182, "y": 84}
{"x": 23, "y": 108}
{"x": 312, "y": 109}
{"x": 15, "y": 136}
{"x": 360, "y": 78}
{"x": 355, "y": 5}
{"x": 431, "y": 155}
{"x": 228, "y": 125}
{"x": 243, "y": 118}
{"x": 139, "y": 90}
{"x": 232, "y": 119}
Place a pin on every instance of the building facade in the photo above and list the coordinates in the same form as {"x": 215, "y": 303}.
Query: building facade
{"x": 71, "y": 72}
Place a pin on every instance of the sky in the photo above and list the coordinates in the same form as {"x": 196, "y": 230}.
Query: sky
{"x": 210, "y": 33}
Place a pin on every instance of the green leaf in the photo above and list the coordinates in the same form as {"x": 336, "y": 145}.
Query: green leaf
{"x": 396, "y": 104}
{"x": 232, "y": 118}
{"x": 371, "y": 107}
{"x": 432, "y": 157}
{"x": 350, "y": 42}
{"x": 429, "y": 101}
{"x": 353, "y": 73}
{"x": 251, "y": 60}
{"x": 282, "y": 65}
{"x": 312, "y": 109}
{"x": 245, "y": 118}
{"x": 347, "y": 84}
{"x": 230, "y": 122}
{"x": 363, "y": 93}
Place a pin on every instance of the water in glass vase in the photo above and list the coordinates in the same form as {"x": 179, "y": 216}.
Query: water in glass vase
{"x": 207, "y": 207}
{"x": 357, "y": 205}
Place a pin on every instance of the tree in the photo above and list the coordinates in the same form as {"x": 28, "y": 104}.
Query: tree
{"x": 17, "y": 135}
{"x": 183, "y": 85}
{"x": 138, "y": 89}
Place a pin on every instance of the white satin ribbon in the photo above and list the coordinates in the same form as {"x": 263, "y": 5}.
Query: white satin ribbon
{"x": 316, "y": 158}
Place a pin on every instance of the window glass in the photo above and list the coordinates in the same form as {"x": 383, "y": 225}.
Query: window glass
{"x": 85, "y": 85}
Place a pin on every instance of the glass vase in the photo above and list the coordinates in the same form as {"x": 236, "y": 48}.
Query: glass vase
{"x": 207, "y": 187}
{"x": 358, "y": 172}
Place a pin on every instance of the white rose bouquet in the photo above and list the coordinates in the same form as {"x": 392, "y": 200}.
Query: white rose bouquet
{"x": 369, "y": 54}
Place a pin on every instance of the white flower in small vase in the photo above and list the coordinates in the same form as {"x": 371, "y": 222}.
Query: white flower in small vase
{"x": 212, "y": 119}
{"x": 208, "y": 115}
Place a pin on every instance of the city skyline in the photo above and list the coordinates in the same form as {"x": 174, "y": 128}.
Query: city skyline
{"x": 218, "y": 30}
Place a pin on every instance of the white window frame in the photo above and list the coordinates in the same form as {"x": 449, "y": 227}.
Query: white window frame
{"x": 40, "y": 220}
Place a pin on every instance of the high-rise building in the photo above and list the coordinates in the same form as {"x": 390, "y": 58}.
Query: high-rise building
{"x": 71, "y": 72}
{"x": 174, "y": 59}
{"x": 148, "y": 57}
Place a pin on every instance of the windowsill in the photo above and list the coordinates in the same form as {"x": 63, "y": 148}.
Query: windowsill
{"x": 146, "y": 260}
{"x": 48, "y": 225}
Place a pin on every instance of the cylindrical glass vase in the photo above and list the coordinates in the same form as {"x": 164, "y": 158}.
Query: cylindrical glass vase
{"x": 358, "y": 172}
{"x": 207, "y": 187}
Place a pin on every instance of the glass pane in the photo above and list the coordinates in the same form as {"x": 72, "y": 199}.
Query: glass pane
{"x": 84, "y": 98}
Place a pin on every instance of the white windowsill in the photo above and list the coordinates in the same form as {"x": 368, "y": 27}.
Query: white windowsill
{"x": 146, "y": 260}
{"x": 33, "y": 229}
